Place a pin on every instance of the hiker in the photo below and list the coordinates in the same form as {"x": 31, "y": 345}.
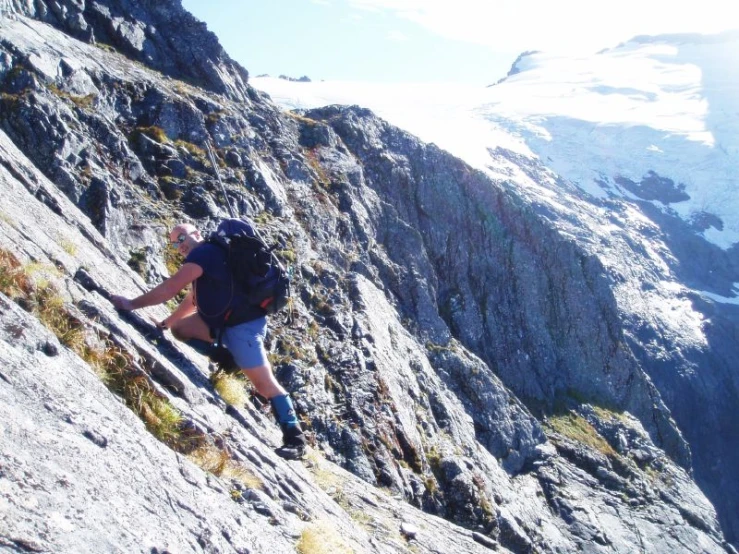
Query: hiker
{"x": 199, "y": 320}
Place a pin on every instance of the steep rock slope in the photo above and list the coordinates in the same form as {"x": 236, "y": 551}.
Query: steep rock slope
{"x": 82, "y": 473}
{"x": 396, "y": 244}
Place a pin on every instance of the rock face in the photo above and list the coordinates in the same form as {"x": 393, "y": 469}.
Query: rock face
{"x": 457, "y": 353}
{"x": 658, "y": 267}
{"x": 161, "y": 35}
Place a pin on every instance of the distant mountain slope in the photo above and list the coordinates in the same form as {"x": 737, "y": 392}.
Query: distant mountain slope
{"x": 655, "y": 119}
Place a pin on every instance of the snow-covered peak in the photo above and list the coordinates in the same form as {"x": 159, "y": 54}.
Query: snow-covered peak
{"x": 654, "y": 119}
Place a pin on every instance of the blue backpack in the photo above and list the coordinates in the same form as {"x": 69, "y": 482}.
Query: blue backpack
{"x": 253, "y": 265}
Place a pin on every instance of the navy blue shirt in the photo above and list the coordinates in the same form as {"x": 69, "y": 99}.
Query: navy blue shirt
{"x": 216, "y": 294}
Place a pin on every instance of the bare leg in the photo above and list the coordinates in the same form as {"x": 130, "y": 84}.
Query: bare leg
{"x": 191, "y": 327}
{"x": 264, "y": 381}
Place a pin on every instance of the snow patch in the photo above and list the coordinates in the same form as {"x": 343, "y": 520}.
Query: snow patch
{"x": 722, "y": 299}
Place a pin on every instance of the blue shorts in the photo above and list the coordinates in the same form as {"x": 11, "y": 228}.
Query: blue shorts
{"x": 246, "y": 342}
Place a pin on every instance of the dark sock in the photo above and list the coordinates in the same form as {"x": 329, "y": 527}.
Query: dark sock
{"x": 224, "y": 359}
{"x": 218, "y": 354}
{"x": 203, "y": 347}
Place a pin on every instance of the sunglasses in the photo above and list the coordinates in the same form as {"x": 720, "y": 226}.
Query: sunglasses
{"x": 180, "y": 239}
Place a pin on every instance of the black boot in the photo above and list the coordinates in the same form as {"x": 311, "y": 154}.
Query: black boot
{"x": 293, "y": 444}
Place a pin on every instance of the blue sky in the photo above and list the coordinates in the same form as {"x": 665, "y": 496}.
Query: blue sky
{"x": 465, "y": 41}
{"x": 341, "y": 42}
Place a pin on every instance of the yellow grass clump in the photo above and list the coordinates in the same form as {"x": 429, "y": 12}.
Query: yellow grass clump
{"x": 218, "y": 462}
{"x": 322, "y": 538}
{"x": 231, "y": 388}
